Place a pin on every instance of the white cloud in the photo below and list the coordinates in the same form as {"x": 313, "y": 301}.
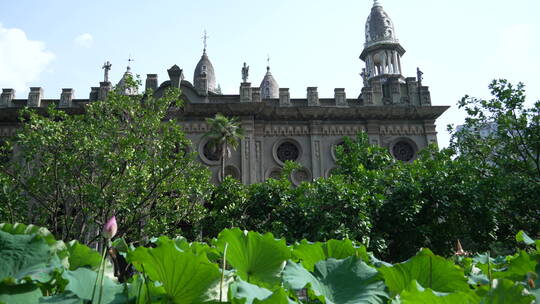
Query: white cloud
{"x": 84, "y": 40}
{"x": 21, "y": 60}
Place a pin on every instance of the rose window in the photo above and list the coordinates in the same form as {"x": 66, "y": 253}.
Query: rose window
{"x": 403, "y": 151}
{"x": 287, "y": 151}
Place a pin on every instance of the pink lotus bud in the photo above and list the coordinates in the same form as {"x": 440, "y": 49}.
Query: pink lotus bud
{"x": 110, "y": 228}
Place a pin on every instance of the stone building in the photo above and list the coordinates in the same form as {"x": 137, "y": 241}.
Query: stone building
{"x": 395, "y": 111}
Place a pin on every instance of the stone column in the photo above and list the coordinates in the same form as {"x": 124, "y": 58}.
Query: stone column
{"x": 6, "y": 98}
{"x": 151, "y": 82}
{"x": 66, "y": 98}
{"x": 284, "y": 97}
{"x": 256, "y": 95}
{"x": 316, "y": 157}
{"x": 245, "y": 92}
{"x": 377, "y": 92}
{"x": 431, "y": 132}
{"x": 412, "y": 90}
{"x": 396, "y": 65}
{"x": 312, "y": 96}
{"x": 340, "y": 97}
{"x": 94, "y": 93}
{"x": 247, "y": 155}
{"x": 104, "y": 88}
{"x": 373, "y": 131}
{"x": 34, "y": 97}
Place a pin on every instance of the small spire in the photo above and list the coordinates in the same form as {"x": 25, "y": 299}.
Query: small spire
{"x": 268, "y": 62}
{"x": 130, "y": 60}
{"x": 376, "y": 3}
{"x": 205, "y": 38}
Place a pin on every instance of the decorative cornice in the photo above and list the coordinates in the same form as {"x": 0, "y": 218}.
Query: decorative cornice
{"x": 405, "y": 129}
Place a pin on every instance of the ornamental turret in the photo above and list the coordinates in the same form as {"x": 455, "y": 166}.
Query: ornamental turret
{"x": 269, "y": 86}
{"x": 124, "y": 87}
{"x": 204, "y": 78}
{"x": 382, "y": 51}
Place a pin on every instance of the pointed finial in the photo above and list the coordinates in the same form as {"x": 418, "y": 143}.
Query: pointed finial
{"x": 376, "y": 3}
{"x": 268, "y": 62}
{"x": 130, "y": 60}
{"x": 205, "y": 38}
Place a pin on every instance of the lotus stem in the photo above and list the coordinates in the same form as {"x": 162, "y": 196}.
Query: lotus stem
{"x": 223, "y": 272}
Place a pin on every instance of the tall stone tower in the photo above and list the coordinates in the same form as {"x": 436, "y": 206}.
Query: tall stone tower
{"x": 384, "y": 83}
{"x": 269, "y": 86}
{"x": 382, "y": 52}
{"x": 204, "y": 78}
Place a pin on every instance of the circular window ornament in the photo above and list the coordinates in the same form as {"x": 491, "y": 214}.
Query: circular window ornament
{"x": 301, "y": 175}
{"x": 209, "y": 153}
{"x": 274, "y": 173}
{"x": 287, "y": 149}
{"x": 331, "y": 171}
{"x": 403, "y": 150}
{"x": 231, "y": 171}
{"x": 340, "y": 143}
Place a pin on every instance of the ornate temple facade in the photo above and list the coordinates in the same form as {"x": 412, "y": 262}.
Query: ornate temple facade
{"x": 395, "y": 111}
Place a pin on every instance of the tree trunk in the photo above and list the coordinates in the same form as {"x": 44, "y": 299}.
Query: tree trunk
{"x": 223, "y": 155}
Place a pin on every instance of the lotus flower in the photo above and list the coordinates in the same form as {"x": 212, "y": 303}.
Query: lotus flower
{"x": 110, "y": 228}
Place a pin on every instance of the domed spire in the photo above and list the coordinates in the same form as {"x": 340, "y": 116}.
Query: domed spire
{"x": 382, "y": 51}
{"x": 122, "y": 85}
{"x": 379, "y": 26}
{"x": 204, "y": 72}
{"x": 269, "y": 86}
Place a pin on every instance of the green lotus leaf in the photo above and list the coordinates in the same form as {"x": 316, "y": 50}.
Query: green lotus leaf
{"x": 198, "y": 248}
{"x": 140, "y": 291}
{"x": 415, "y": 293}
{"x": 19, "y": 294}
{"x": 522, "y": 237}
{"x": 345, "y": 281}
{"x": 63, "y": 298}
{"x": 429, "y": 270}
{"x": 25, "y": 257}
{"x": 241, "y": 292}
{"x": 82, "y": 256}
{"x": 311, "y": 253}
{"x": 278, "y": 297}
{"x": 184, "y": 276}
{"x": 57, "y": 247}
{"x": 19, "y": 228}
{"x": 82, "y": 281}
{"x": 517, "y": 268}
{"x": 506, "y": 292}
{"x": 257, "y": 258}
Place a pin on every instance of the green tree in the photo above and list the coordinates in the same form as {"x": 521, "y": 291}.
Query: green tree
{"x": 223, "y": 133}
{"x": 509, "y": 154}
{"x": 124, "y": 156}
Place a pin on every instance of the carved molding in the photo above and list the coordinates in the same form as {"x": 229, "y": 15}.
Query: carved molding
{"x": 401, "y": 130}
{"x": 195, "y": 127}
{"x": 8, "y": 131}
{"x": 342, "y": 130}
{"x": 287, "y": 130}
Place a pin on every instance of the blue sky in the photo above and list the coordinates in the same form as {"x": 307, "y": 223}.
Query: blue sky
{"x": 459, "y": 45}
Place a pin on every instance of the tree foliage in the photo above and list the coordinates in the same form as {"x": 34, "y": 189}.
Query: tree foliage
{"x": 480, "y": 190}
{"x": 125, "y": 156}
{"x": 223, "y": 133}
